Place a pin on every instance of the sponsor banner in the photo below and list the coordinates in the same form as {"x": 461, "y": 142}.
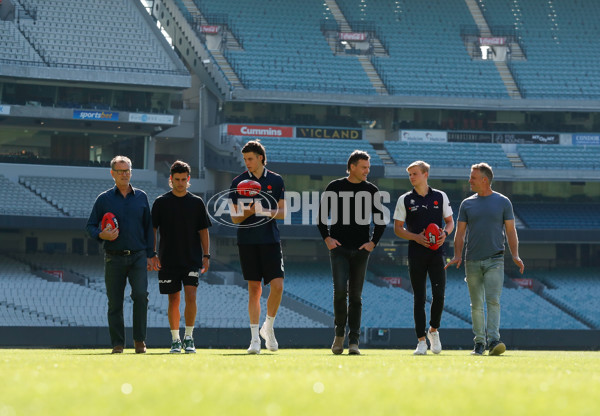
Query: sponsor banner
{"x": 259, "y": 131}
{"x": 580, "y": 139}
{"x": 5, "y": 110}
{"x": 210, "y": 29}
{"x": 96, "y": 115}
{"x": 354, "y": 36}
{"x": 469, "y": 137}
{"x": 527, "y": 283}
{"x": 394, "y": 281}
{"x": 492, "y": 41}
{"x": 55, "y": 273}
{"x": 423, "y": 136}
{"x": 151, "y": 118}
{"x": 328, "y": 133}
{"x": 524, "y": 138}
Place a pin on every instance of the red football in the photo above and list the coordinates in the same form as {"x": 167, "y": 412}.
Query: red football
{"x": 109, "y": 219}
{"x": 248, "y": 187}
{"x": 432, "y": 234}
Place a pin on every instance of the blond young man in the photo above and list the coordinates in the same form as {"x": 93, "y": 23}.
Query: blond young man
{"x": 414, "y": 211}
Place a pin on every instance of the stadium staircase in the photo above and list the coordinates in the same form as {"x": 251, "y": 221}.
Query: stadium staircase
{"x": 365, "y": 61}
{"x": 175, "y": 11}
{"x": 480, "y": 21}
{"x": 24, "y": 14}
{"x": 383, "y": 155}
{"x": 228, "y": 42}
{"x": 508, "y": 79}
{"x": 372, "y": 74}
{"x": 484, "y": 31}
{"x": 515, "y": 160}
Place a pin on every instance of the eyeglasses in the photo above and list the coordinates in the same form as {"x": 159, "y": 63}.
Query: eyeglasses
{"x": 122, "y": 171}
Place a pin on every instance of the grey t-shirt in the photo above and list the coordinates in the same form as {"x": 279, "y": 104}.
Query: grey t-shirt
{"x": 485, "y": 216}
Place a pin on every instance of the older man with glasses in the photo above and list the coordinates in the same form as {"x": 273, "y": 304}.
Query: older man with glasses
{"x": 129, "y": 252}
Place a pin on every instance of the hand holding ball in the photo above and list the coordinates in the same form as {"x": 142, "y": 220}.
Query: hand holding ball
{"x": 248, "y": 188}
{"x": 433, "y": 234}
{"x": 110, "y": 224}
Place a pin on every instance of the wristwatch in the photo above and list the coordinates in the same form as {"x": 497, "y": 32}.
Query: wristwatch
{"x": 207, "y": 256}
{"x": 446, "y": 232}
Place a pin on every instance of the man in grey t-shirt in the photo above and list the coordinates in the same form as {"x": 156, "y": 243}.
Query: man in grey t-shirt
{"x": 483, "y": 220}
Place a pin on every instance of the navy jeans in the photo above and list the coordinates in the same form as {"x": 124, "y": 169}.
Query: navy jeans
{"x": 348, "y": 267}
{"x": 419, "y": 268}
{"x": 116, "y": 271}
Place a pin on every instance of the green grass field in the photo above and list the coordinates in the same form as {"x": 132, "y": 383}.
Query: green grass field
{"x": 298, "y": 382}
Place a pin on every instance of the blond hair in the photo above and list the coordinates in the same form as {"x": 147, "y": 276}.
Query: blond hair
{"x": 424, "y": 166}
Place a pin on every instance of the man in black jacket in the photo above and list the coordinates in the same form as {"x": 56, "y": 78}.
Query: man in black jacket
{"x": 352, "y": 203}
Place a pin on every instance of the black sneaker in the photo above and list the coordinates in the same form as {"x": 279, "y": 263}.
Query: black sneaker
{"x": 496, "y": 348}
{"x": 479, "y": 349}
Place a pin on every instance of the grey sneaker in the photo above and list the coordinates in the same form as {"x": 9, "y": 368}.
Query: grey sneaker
{"x": 496, "y": 348}
{"x": 479, "y": 349}
{"x": 188, "y": 345}
{"x": 338, "y": 345}
{"x": 434, "y": 341}
{"x": 176, "y": 346}
{"x": 353, "y": 349}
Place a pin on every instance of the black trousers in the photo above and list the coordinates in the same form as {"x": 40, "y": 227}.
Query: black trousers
{"x": 348, "y": 267}
{"x": 117, "y": 270}
{"x": 418, "y": 268}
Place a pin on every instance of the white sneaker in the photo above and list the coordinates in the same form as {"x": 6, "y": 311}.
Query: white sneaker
{"x": 434, "y": 340}
{"x": 254, "y": 347}
{"x": 421, "y": 348}
{"x": 268, "y": 335}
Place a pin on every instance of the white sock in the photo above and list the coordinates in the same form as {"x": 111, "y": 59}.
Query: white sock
{"x": 189, "y": 330}
{"x": 269, "y": 320}
{"x": 254, "y": 331}
{"x": 175, "y": 334}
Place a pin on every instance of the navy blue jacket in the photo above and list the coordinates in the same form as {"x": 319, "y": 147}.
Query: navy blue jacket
{"x": 133, "y": 215}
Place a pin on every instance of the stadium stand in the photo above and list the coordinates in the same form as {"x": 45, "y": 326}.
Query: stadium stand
{"x": 74, "y": 35}
{"x": 522, "y": 308}
{"x": 13, "y": 46}
{"x": 27, "y": 299}
{"x": 426, "y": 53}
{"x": 278, "y": 55}
{"x": 552, "y": 215}
{"x": 539, "y": 156}
{"x": 559, "y": 39}
{"x": 448, "y": 154}
{"x": 572, "y": 289}
{"x": 70, "y": 304}
{"x": 76, "y": 196}
{"x": 28, "y": 203}
{"x": 382, "y": 306}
